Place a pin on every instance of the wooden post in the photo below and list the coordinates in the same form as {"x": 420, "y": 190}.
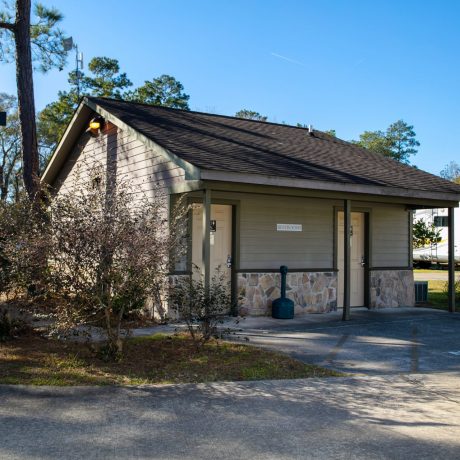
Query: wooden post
{"x": 451, "y": 261}
{"x": 206, "y": 264}
{"x": 346, "y": 259}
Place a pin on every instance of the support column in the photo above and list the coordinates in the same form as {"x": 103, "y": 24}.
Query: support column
{"x": 346, "y": 259}
{"x": 451, "y": 261}
{"x": 206, "y": 264}
{"x": 411, "y": 238}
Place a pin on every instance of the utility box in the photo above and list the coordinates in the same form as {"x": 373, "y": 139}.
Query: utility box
{"x": 421, "y": 291}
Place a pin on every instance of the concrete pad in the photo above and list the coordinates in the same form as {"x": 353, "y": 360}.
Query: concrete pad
{"x": 386, "y": 341}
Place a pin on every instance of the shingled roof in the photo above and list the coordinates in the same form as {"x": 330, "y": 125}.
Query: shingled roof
{"x": 222, "y": 143}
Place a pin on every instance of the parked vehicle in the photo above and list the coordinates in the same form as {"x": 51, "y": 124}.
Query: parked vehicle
{"x": 437, "y": 253}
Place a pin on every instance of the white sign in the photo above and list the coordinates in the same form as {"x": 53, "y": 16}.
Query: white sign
{"x": 288, "y": 227}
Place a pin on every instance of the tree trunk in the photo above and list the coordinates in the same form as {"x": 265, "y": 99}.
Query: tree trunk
{"x": 24, "y": 78}
{"x": 2, "y": 183}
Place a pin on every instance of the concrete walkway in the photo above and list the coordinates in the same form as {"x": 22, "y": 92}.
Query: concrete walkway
{"x": 339, "y": 418}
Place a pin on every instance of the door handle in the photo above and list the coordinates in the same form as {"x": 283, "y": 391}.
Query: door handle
{"x": 363, "y": 261}
{"x": 229, "y": 261}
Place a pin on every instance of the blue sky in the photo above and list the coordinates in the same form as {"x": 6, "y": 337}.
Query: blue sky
{"x": 344, "y": 65}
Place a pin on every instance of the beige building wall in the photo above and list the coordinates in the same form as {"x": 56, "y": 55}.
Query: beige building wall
{"x": 390, "y": 235}
{"x": 124, "y": 156}
{"x": 263, "y": 247}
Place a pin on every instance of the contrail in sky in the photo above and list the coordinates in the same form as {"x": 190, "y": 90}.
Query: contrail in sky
{"x": 279, "y": 56}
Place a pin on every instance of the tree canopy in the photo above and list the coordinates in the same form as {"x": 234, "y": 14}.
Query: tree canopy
{"x": 451, "y": 172}
{"x": 27, "y": 37}
{"x": 164, "y": 90}
{"x": 45, "y": 36}
{"x": 397, "y": 142}
{"x": 104, "y": 79}
{"x": 250, "y": 115}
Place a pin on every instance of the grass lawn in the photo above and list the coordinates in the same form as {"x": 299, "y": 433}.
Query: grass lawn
{"x": 429, "y": 270}
{"x": 159, "y": 359}
{"x": 437, "y": 295}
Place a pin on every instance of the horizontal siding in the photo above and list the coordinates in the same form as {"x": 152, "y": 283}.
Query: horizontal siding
{"x": 390, "y": 234}
{"x": 146, "y": 170}
{"x": 262, "y": 246}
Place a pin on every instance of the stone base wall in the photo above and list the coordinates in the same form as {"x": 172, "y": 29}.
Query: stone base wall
{"x": 392, "y": 288}
{"x": 311, "y": 292}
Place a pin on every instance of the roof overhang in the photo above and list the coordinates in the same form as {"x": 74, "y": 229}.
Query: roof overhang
{"x": 409, "y": 196}
{"x": 197, "y": 178}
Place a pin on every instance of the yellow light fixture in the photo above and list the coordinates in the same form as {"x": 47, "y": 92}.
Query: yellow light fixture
{"x": 95, "y": 126}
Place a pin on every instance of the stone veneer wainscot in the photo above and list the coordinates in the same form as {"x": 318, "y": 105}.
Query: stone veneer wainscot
{"x": 312, "y": 292}
{"x": 392, "y": 288}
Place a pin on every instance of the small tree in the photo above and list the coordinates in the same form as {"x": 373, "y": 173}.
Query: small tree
{"x": 424, "y": 234}
{"x": 201, "y": 308}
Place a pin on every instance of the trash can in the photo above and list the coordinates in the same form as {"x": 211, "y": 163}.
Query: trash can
{"x": 283, "y": 308}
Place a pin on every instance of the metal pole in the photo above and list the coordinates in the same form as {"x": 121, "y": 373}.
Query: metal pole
{"x": 77, "y": 72}
{"x": 451, "y": 260}
{"x": 346, "y": 259}
{"x": 206, "y": 265}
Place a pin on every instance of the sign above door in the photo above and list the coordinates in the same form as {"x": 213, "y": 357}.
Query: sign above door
{"x": 288, "y": 227}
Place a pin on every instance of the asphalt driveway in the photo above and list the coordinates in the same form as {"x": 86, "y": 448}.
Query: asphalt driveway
{"x": 392, "y": 417}
{"x": 393, "y": 412}
{"x": 374, "y": 342}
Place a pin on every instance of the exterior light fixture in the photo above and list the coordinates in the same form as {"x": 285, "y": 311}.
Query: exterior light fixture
{"x": 95, "y": 126}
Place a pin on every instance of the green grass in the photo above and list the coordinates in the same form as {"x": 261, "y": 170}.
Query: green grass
{"x": 437, "y": 295}
{"x": 429, "y": 270}
{"x": 157, "y": 359}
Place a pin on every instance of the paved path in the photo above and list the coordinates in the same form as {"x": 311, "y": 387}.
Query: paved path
{"x": 386, "y": 341}
{"x": 342, "y": 418}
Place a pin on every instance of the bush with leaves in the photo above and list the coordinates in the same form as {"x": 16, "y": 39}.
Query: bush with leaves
{"x": 202, "y": 308}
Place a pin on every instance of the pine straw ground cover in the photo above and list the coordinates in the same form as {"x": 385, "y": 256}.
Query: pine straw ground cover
{"x": 158, "y": 359}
